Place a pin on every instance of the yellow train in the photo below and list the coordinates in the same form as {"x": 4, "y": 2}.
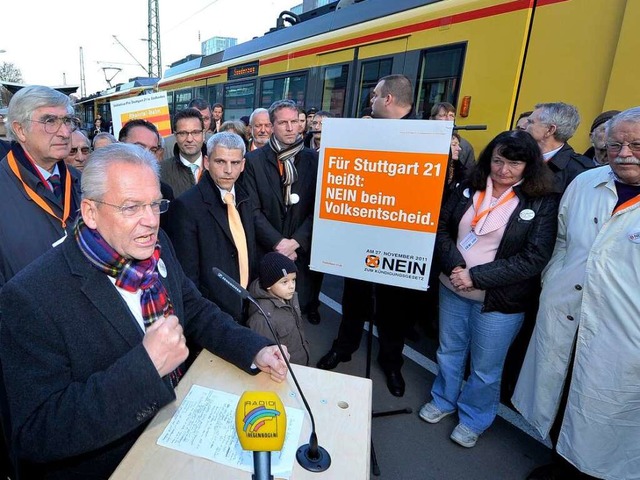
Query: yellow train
{"x": 500, "y": 56}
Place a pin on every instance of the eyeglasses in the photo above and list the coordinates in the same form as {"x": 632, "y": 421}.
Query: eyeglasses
{"x": 135, "y": 210}
{"x": 182, "y": 134}
{"x": 84, "y": 150}
{"x": 614, "y": 147}
{"x": 52, "y": 124}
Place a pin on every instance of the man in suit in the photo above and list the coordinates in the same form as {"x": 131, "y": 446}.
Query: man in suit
{"x": 39, "y": 193}
{"x": 88, "y": 363}
{"x": 552, "y": 125}
{"x": 203, "y": 107}
{"x": 281, "y": 179}
{"x": 184, "y": 169}
{"x": 199, "y": 225}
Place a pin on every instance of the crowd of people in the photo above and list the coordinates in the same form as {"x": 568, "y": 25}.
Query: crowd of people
{"x": 531, "y": 285}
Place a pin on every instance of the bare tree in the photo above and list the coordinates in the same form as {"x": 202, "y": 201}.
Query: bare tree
{"x": 8, "y": 73}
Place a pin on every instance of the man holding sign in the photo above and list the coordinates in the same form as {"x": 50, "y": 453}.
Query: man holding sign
{"x": 392, "y": 99}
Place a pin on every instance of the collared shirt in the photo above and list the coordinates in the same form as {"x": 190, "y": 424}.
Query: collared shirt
{"x": 198, "y": 162}
{"x": 549, "y": 155}
{"x": 132, "y": 299}
{"x": 223, "y": 192}
{"x": 46, "y": 173}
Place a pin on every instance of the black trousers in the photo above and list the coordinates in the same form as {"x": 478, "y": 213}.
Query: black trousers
{"x": 388, "y": 307}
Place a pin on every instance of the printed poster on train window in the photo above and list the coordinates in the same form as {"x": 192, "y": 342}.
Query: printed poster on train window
{"x": 153, "y": 107}
{"x": 378, "y": 197}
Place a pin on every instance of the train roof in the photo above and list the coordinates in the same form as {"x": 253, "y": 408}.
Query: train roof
{"x": 333, "y": 19}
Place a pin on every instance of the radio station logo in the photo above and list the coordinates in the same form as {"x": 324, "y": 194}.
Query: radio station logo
{"x": 260, "y": 421}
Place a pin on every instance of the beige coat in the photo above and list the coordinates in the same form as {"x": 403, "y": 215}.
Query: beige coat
{"x": 591, "y": 294}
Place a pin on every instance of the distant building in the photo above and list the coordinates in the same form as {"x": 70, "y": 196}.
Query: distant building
{"x": 217, "y": 44}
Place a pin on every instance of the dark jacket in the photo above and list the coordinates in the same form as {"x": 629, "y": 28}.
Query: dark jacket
{"x": 177, "y": 175}
{"x": 275, "y": 221}
{"x": 512, "y": 280}
{"x": 27, "y": 231}
{"x": 567, "y": 165}
{"x": 198, "y": 226}
{"x": 285, "y": 318}
{"x": 80, "y": 384}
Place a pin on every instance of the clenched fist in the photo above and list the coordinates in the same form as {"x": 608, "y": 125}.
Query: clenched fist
{"x": 165, "y": 344}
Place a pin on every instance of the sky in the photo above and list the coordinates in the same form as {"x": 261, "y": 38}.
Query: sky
{"x": 43, "y": 39}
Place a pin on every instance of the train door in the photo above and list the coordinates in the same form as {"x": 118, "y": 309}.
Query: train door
{"x": 335, "y": 94}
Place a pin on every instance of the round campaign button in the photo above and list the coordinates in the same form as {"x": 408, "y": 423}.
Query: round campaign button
{"x": 162, "y": 268}
{"x": 466, "y": 193}
{"x": 527, "y": 214}
{"x": 634, "y": 236}
{"x": 295, "y": 198}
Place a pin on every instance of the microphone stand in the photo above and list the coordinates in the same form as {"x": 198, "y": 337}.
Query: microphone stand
{"x": 311, "y": 456}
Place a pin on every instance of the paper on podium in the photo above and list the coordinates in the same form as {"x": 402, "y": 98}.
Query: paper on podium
{"x": 204, "y": 426}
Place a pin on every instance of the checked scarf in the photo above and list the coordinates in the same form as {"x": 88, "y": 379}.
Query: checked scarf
{"x": 130, "y": 275}
{"x": 286, "y": 156}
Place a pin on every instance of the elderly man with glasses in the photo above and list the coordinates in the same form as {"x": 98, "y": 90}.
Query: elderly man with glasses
{"x": 580, "y": 381}
{"x": 88, "y": 363}
{"x": 39, "y": 192}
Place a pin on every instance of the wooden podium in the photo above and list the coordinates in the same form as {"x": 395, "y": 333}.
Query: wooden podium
{"x": 341, "y": 405}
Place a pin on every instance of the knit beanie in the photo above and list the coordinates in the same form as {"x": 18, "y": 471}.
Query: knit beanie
{"x": 273, "y": 267}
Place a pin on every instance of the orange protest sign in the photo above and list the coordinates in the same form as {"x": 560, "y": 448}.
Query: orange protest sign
{"x": 383, "y": 189}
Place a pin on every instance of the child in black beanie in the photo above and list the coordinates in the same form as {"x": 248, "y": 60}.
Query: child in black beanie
{"x": 274, "y": 289}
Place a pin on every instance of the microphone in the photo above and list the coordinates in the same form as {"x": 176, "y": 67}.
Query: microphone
{"x": 261, "y": 424}
{"x": 311, "y": 456}
{"x": 470, "y": 127}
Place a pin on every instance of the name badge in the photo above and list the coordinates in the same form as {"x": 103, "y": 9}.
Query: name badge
{"x": 469, "y": 241}
{"x": 527, "y": 214}
{"x": 162, "y": 268}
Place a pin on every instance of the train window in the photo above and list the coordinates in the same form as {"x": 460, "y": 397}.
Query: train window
{"x": 292, "y": 87}
{"x": 334, "y": 90}
{"x": 370, "y": 73}
{"x": 238, "y": 100}
{"x": 439, "y": 78}
{"x": 182, "y": 99}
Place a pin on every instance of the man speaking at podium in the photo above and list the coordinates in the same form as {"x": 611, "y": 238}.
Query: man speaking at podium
{"x": 93, "y": 333}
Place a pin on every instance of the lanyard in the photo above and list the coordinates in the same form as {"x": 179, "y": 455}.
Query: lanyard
{"x": 628, "y": 203}
{"x": 36, "y": 198}
{"x": 487, "y": 211}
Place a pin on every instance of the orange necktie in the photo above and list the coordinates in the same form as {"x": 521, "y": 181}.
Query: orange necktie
{"x": 239, "y": 238}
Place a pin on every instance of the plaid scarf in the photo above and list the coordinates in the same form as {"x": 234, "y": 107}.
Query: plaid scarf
{"x": 130, "y": 275}
{"x": 286, "y": 155}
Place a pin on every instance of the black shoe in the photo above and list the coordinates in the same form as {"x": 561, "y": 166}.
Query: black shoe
{"x": 395, "y": 383}
{"x": 313, "y": 317}
{"x": 331, "y": 360}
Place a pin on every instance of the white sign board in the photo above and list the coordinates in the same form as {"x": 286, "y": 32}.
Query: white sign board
{"x": 378, "y": 195}
{"x": 153, "y": 108}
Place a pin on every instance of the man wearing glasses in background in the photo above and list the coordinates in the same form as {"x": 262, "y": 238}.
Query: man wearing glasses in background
{"x": 183, "y": 170}
{"x": 94, "y": 333}
{"x": 39, "y": 194}
{"x": 80, "y": 150}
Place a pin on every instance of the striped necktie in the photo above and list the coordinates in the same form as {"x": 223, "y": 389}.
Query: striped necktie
{"x": 56, "y": 185}
{"x": 239, "y": 238}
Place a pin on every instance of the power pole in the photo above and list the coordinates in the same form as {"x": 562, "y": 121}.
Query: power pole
{"x": 83, "y": 85}
{"x": 153, "y": 40}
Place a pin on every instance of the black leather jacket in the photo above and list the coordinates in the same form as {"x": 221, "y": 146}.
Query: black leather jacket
{"x": 512, "y": 280}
